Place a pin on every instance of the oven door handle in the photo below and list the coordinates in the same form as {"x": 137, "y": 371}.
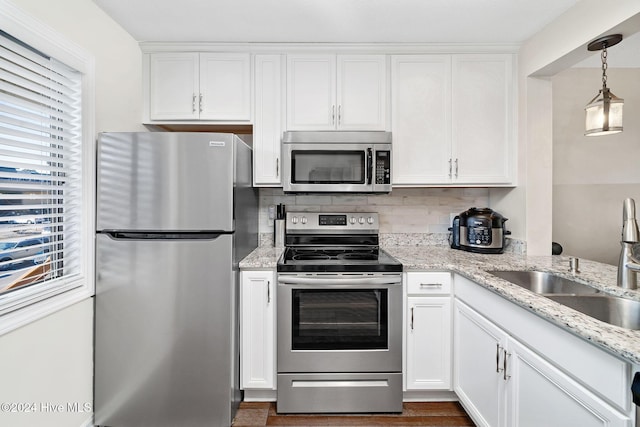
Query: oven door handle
{"x": 291, "y": 280}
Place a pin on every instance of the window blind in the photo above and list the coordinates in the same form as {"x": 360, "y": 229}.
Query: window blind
{"x": 40, "y": 171}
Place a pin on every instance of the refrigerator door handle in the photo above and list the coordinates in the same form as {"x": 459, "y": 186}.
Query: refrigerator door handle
{"x": 141, "y": 235}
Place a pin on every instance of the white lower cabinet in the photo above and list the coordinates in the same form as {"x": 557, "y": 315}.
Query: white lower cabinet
{"x": 257, "y": 330}
{"x": 539, "y": 394}
{"x": 502, "y": 382}
{"x": 428, "y": 331}
{"x": 478, "y": 374}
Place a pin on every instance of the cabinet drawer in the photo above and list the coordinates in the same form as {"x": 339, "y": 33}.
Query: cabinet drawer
{"x": 429, "y": 282}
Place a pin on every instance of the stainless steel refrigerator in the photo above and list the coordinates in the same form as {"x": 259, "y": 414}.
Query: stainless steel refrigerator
{"x": 176, "y": 212}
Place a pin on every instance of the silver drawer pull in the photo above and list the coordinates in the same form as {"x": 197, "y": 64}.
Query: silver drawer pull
{"x": 431, "y": 285}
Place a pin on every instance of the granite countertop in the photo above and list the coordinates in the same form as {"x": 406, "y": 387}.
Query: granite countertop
{"x": 621, "y": 342}
{"x": 262, "y": 258}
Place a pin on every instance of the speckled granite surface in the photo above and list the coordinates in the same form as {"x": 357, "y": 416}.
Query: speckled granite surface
{"x": 622, "y": 342}
{"x": 262, "y": 258}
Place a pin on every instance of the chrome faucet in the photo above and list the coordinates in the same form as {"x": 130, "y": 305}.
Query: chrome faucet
{"x": 628, "y": 265}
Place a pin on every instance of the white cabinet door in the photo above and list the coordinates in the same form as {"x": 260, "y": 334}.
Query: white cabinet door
{"x": 311, "y": 92}
{"x": 362, "y": 92}
{"x": 257, "y": 330}
{"x": 329, "y": 92}
{"x": 483, "y": 129}
{"x": 198, "y": 86}
{"x": 225, "y": 82}
{"x": 421, "y": 119}
{"x": 173, "y": 86}
{"x": 428, "y": 358}
{"x": 541, "y": 395}
{"x": 479, "y": 366}
{"x": 267, "y": 125}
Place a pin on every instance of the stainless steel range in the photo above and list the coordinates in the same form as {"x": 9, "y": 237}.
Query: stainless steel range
{"x": 339, "y": 316}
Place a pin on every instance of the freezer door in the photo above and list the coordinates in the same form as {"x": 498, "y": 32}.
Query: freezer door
{"x": 164, "y": 332}
{"x": 165, "y": 181}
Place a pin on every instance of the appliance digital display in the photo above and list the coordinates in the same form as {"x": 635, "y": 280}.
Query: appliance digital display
{"x": 332, "y": 220}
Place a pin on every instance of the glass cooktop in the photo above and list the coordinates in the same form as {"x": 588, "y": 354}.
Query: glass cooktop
{"x": 313, "y": 259}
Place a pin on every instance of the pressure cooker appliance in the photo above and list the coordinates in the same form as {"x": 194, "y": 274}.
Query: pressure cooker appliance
{"x": 339, "y": 317}
{"x": 479, "y": 230}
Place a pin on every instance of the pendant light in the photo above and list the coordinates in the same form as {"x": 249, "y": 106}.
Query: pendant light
{"x": 604, "y": 112}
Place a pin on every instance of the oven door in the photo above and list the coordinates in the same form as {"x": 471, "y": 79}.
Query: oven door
{"x": 328, "y": 167}
{"x": 339, "y": 322}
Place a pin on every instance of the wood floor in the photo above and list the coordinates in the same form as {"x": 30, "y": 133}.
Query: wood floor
{"x": 433, "y": 414}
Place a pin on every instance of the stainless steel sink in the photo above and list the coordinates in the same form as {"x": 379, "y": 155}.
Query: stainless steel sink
{"x": 545, "y": 283}
{"x": 613, "y": 310}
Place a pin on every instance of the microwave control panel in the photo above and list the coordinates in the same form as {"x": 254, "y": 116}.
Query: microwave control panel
{"x": 383, "y": 167}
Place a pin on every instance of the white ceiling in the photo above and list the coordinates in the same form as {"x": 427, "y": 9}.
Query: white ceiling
{"x": 355, "y": 21}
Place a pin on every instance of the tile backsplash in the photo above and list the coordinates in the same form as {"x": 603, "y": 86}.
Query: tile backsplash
{"x": 405, "y": 210}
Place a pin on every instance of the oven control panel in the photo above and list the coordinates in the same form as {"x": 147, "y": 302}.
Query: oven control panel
{"x": 308, "y": 221}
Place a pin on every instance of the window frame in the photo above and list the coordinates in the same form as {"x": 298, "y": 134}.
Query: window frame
{"x": 34, "y": 303}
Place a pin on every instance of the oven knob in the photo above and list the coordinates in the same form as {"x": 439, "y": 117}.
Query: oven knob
{"x": 370, "y": 220}
{"x": 303, "y": 220}
{"x": 361, "y": 220}
{"x": 294, "y": 220}
{"x": 353, "y": 220}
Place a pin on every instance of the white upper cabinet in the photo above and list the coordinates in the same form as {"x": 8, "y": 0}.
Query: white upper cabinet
{"x": 328, "y": 92}
{"x": 198, "y": 86}
{"x": 452, "y": 119}
{"x": 267, "y": 122}
{"x": 482, "y": 116}
{"x": 174, "y": 86}
{"x": 225, "y": 86}
{"x": 421, "y": 118}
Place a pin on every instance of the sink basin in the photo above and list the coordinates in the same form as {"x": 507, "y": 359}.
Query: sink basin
{"x": 613, "y": 310}
{"x": 545, "y": 283}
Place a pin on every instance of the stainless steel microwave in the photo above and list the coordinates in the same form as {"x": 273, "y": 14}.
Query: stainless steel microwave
{"x": 337, "y": 161}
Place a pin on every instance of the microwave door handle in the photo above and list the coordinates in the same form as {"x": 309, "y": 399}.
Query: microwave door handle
{"x": 369, "y": 165}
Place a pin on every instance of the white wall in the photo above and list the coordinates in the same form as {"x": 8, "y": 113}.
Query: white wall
{"x": 51, "y": 360}
{"x": 593, "y": 175}
{"x": 49, "y": 363}
{"x": 118, "y": 61}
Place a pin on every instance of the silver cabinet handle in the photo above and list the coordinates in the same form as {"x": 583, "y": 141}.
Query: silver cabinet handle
{"x": 412, "y": 318}
{"x": 456, "y": 168}
{"x": 333, "y": 114}
{"x": 498, "y": 348}
{"x": 277, "y": 166}
{"x": 431, "y": 285}
{"x": 200, "y": 103}
{"x": 193, "y": 103}
{"x": 450, "y": 167}
{"x": 339, "y": 114}
{"x": 504, "y": 371}
{"x": 268, "y": 292}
